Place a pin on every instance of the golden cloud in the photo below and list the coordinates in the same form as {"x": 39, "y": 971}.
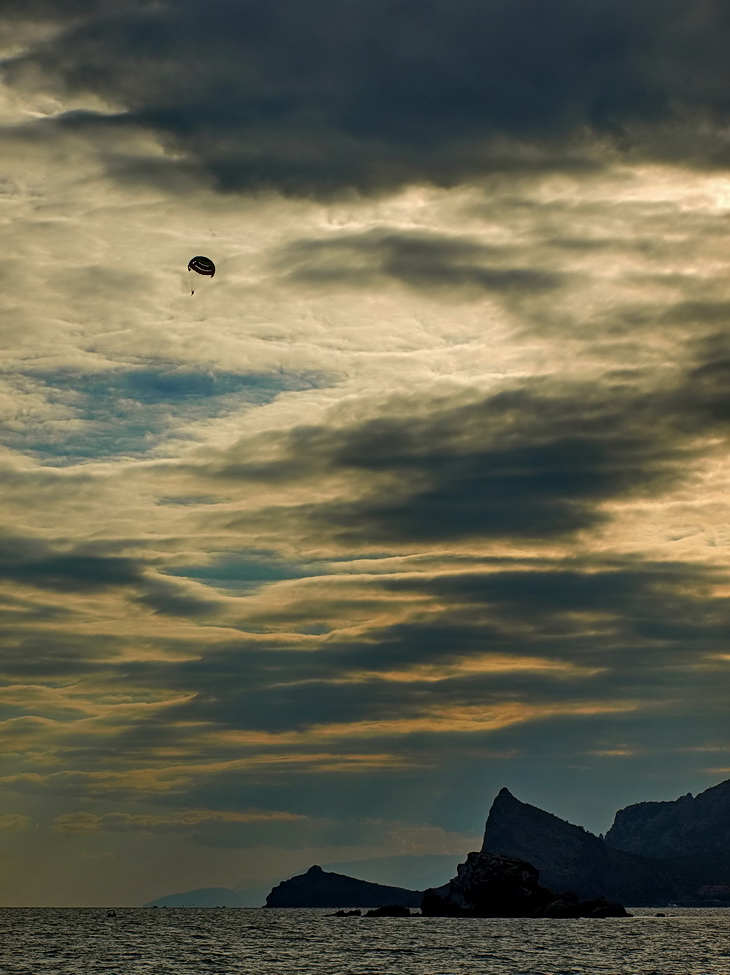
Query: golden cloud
{"x": 14, "y": 823}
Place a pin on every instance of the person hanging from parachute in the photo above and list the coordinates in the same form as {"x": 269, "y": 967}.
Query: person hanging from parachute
{"x": 201, "y": 265}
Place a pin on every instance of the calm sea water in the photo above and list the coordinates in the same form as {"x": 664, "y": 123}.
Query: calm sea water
{"x": 219, "y": 941}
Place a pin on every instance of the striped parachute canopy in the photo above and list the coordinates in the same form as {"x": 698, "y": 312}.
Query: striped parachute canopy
{"x": 201, "y": 265}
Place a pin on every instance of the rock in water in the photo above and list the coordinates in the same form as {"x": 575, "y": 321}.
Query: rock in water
{"x": 495, "y": 886}
{"x": 389, "y": 910}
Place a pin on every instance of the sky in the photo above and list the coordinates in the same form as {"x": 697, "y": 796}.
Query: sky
{"x": 424, "y": 494}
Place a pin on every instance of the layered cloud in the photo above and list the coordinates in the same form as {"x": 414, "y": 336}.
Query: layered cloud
{"x": 424, "y": 494}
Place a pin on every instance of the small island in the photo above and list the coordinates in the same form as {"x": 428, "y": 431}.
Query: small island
{"x": 318, "y": 888}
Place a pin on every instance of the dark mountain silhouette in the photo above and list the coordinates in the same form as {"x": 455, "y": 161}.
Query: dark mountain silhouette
{"x": 655, "y": 853}
{"x": 692, "y": 832}
{"x": 316, "y": 888}
{"x": 570, "y": 858}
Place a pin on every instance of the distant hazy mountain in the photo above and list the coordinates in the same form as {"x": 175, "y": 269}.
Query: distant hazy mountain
{"x": 204, "y": 897}
{"x": 317, "y": 888}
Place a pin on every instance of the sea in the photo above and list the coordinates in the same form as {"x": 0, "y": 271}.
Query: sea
{"x": 257, "y": 941}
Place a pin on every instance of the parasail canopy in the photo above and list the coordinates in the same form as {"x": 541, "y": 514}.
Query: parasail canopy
{"x": 203, "y": 265}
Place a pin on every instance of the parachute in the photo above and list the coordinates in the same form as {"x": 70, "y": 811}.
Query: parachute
{"x": 201, "y": 265}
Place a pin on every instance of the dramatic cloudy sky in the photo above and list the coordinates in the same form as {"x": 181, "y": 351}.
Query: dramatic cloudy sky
{"x": 424, "y": 494}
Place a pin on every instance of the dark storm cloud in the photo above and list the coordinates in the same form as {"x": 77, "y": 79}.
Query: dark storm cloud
{"x": 634, "y": 634}
{"x": 608, "y": 632}
{"x": 90, "y": 569}
{"x": 709, "y": 379}
{"x": 166, "y": 598}
{"x": 34, "y": 562}
{"x": 29, "y": 657}
{"x": 665, "y": 608}
{"x": 374, "y": 93}
{"x": 660, "y": 608}
{"x": 427, "y": 262}
{"x": 699, "y": 312}
{"x": 27, "y": 610}
{"x": 536, "y": 462}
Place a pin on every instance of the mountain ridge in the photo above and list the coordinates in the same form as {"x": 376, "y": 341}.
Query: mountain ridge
{"x": 671, "y": 828}
{"x": 655, "y": 852}
{"x": 691, "y": 832}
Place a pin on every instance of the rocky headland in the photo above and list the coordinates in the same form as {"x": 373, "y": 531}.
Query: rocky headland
{"x": 570, "y": 858}
{"x": 318, "y": 888}
{"x": 691, "y": 833}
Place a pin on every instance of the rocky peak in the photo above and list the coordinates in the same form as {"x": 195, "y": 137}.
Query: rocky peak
{"x": 570, "y": 858}
{"x": 537, "y": 830}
